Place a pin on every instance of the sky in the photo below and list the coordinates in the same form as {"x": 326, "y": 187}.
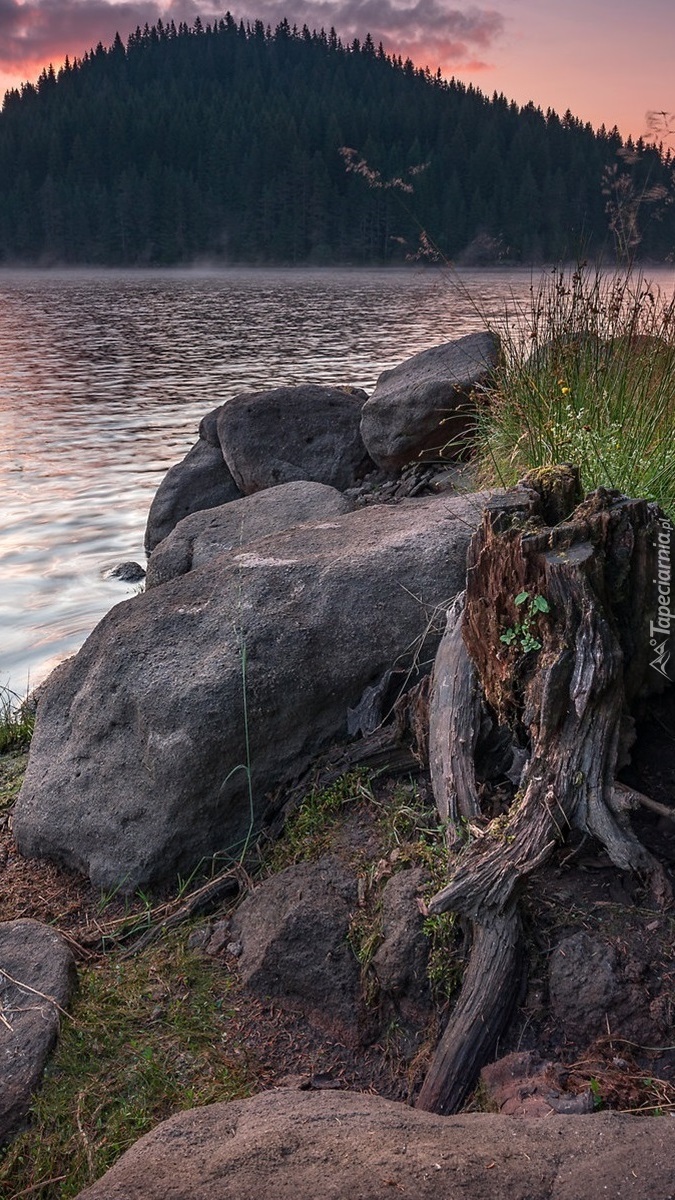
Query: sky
{"x": 609, "y": 61}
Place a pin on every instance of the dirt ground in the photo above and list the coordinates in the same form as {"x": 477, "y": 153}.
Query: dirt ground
{"x": 626, "y": 1046}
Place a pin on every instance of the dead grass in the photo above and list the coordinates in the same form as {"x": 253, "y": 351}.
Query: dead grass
{"x": 617, "y": 1081}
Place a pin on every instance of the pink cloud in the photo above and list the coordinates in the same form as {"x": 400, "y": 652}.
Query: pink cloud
{"x": 35, "y": 32}
{"x": 425, "y": 30}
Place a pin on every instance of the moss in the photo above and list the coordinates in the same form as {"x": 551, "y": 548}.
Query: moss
{"x": 309, "y": 832}
{"x": 147, "y": 1037}
{"x": 559, "y": 488}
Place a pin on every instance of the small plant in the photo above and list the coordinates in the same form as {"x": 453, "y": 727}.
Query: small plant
{"x": 365, "y": 938}
{"x": 596, "y": 1092}
{"x": 613, "y": 1077}
{"x": 521, "y": 633}
{"x": 444, "y": 967}
{"x": 481, "y": 1100}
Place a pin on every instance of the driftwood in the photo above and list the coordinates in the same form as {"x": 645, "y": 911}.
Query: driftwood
{"x": 145, "y": 927}
{"x": 561, "y": 709}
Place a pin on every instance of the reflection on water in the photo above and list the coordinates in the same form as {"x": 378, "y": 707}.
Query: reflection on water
{"x": 105, "y": 376}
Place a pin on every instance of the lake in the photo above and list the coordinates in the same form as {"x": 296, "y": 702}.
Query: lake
{"x": 104, "y": 377}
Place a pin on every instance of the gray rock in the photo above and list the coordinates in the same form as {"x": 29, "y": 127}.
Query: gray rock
{"x": 127, "y": 572}
{"x": 418, "y": 407}
{"x": 293, "y": 931}
{"x": 201, "y": 480}
{"x": 288, "y": 433}
{"x": 208, "y": 427}
{"x": 298, "y": 1145}
{"x": 37, "y": 975}
{"x": 204, "y": 535}
{"x": 400, "y": 962}
{"x": 138, "y": 762}
{"x": 582, "y": 984}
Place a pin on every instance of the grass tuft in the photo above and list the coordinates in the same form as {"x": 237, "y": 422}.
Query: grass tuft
{"x": 587, "y": 377}
{"x": 12, "y": 770}
{"x": 17, "y": 718}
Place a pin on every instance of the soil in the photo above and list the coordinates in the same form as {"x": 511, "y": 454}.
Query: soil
{"x": 618, "y": 1041}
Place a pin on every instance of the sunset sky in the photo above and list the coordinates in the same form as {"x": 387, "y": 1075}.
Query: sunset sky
{"x": 609, "y": 61}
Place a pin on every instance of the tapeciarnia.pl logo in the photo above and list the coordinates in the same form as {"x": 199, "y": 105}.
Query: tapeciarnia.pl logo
{"x": 659, "y": 630}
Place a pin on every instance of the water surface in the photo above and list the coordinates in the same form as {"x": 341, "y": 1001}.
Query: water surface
{"x": 104, "y": 378}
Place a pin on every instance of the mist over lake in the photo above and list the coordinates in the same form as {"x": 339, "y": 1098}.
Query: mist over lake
{"x": 104, "y": 377}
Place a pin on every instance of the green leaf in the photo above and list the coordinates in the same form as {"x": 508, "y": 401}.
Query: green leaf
{"x": 522, "y": 597}
{"x": 539, "y": 604}
{"x": 508, "y": 637}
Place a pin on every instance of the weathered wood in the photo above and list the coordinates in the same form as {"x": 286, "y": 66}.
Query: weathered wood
{"x": 625, "y": 797}
{"x": 485, "y": 1005}
{"x": 566, "y": 701}
{"x": 454, "y": 725}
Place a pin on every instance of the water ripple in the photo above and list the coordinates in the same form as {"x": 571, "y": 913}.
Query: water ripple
{"x": 104, "y": 378}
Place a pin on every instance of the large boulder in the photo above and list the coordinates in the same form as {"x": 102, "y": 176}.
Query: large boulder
{"x": 288, "y": 433}
{"x": 201, "y": 480}
{"x": 237, "y": 673}
{"x": 425, "y": 403}
{"x": 37, "y": 975}
{"x": 204, "y": 535}
{"x": 294, "y": 1145}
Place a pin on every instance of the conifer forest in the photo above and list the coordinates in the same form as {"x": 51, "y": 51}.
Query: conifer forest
{"x": 237, "y": 143}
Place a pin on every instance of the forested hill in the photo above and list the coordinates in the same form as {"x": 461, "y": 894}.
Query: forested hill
{"x": 223, "y": 141}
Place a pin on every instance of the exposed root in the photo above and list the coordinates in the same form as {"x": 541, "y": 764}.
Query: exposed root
{"x": 560, "y": 689}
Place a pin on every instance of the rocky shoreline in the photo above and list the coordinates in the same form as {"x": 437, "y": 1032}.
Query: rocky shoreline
{"x": 301, "y": 562}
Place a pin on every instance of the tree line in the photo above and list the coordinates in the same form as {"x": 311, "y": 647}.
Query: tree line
{"x": 231, "y": 142}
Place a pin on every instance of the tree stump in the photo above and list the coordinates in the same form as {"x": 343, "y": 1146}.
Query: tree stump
{"x": 545, "y": 685}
